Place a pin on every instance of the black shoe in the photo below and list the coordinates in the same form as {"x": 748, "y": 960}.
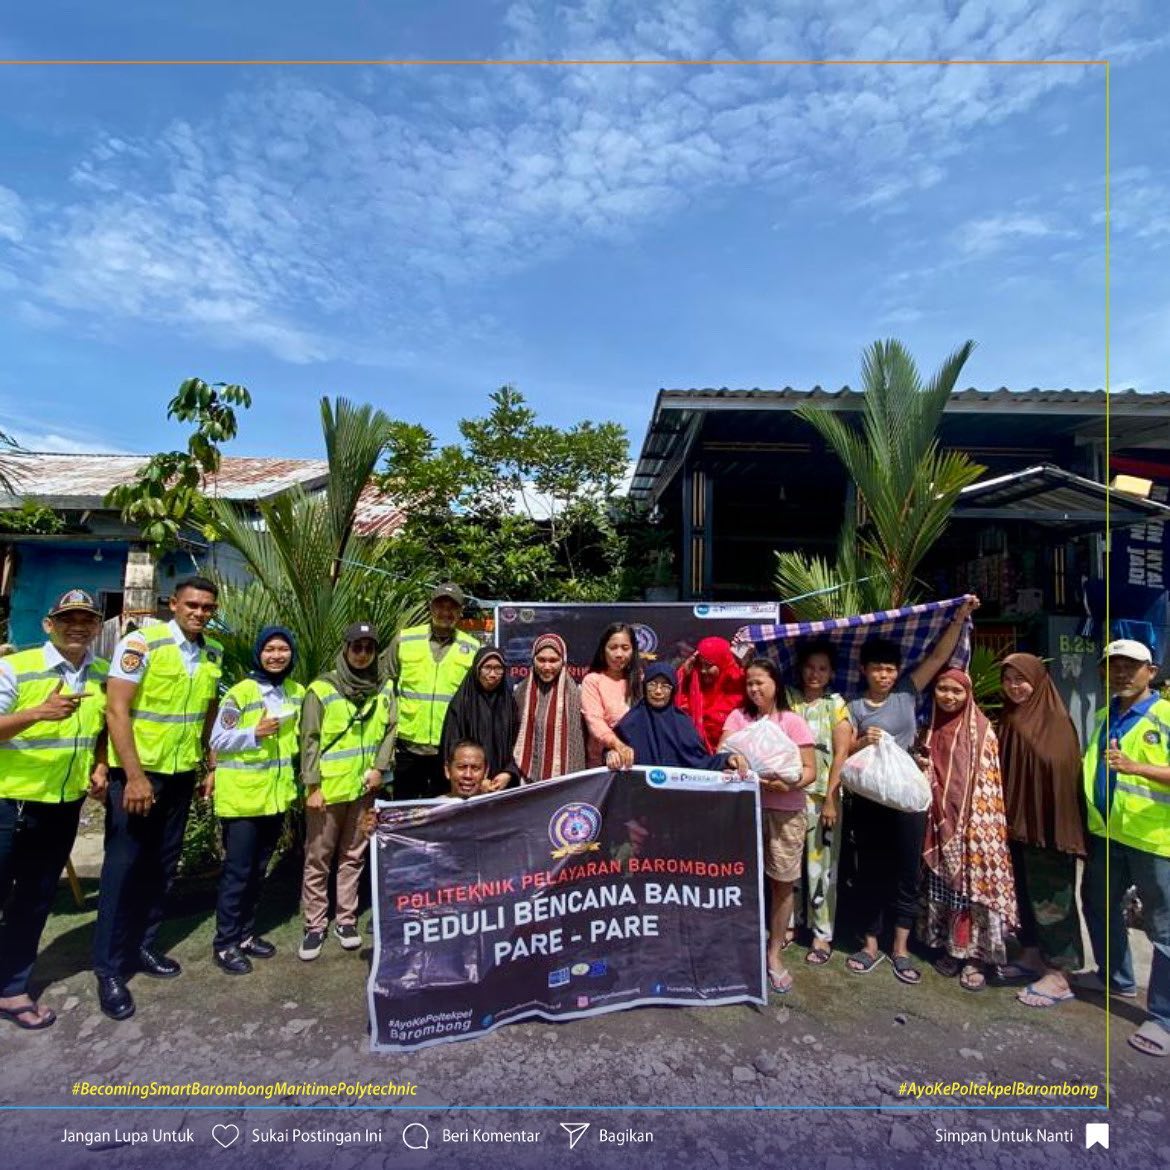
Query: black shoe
{"x": 311, "y": 944}
{"x": 114, "y": 997}
{"x": 160, "y": 966}
{"x": 348, "y": 937}
{"x": 257, "y": 947}
{"x": 233, "y": 961}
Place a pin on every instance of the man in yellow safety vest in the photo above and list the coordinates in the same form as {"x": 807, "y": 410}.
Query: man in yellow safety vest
{"x": 1127, "y": 797}
{"x": 426, "y": 664}
{"x": 52, "y": 751}
{"x": 162, "y": 703}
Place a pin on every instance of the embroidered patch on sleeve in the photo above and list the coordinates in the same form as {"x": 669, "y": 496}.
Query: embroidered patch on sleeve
{"x": 131, "y": 659}
{"x": 229, "y": 716}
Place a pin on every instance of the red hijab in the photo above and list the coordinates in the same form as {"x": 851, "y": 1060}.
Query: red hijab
{"x": 709, "y": 703}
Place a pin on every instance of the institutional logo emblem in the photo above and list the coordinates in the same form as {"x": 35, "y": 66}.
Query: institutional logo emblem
{"x": 647, "y": 638}
{"x": 657, "y": 776}
{"x": 574, "y": 828}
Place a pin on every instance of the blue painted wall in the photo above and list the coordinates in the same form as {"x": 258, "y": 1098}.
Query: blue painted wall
{"x": 45, "y": 571}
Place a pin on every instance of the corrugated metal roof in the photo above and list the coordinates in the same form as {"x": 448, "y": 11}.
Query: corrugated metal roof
{"x": 1001, "y": 397}
{"x": 1055, "y": 498}
{"x": 82, "y": 481}
{"x": 377, "y": 515}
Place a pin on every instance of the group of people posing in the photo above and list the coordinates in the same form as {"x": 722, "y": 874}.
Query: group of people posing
{"x": 432, "y": 714}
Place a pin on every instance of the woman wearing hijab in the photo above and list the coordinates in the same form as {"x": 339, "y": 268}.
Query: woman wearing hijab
{"x": 550, "y": 739}
{"x": 484, "y": 712}
{"x": 255, "y": 742}
{"x": 348, "y": 723}
{"x": 659, "y": 733}
{"x": 710, "y": 688}
{"x": 970, "y": 897}
{"x": 1045, "y": 804}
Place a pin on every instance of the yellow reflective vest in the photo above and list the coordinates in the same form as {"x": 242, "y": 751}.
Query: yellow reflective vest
{"x": 51, "y": 761}
{"x": 1140, "y": 814}
{"x": 350, "y": 738}
{"x": 259, "y": 781}
{"x": 170, "y": 705}
{"x": 426, "y": 687}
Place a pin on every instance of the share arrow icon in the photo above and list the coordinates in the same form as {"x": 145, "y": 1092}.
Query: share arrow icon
{"x": 574, "y": 1129}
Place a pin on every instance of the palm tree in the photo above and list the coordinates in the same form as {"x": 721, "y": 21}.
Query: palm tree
{"x": 310, "y": 571}
{"x": 906, "y": 481}
{"x": 9, "y": 465}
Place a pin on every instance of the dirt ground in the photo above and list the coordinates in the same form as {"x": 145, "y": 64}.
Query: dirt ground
{"x": 702, "y": 1080}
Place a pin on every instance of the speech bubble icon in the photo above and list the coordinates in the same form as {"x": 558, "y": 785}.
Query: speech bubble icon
{"x": 416, "y": 1136}
{"x": 1097, "y": 1134}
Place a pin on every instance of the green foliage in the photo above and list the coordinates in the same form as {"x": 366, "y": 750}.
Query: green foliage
{"x": 985, "y": 669}
{"x": 165, "y": 496}
{"x": 9, "y": 465}
{"x": 516, "y": 509}
{"x": 33, "y": 519}
{"x": 201, "y": 852}
{"x": 907, "y": 483}
{"x": 309, "y": 570}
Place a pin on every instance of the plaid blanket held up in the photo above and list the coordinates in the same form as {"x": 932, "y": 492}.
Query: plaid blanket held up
{"x": 915, "y": 628}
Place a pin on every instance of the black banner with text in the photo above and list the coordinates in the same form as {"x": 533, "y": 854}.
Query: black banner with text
{"x": 588, "y": 894}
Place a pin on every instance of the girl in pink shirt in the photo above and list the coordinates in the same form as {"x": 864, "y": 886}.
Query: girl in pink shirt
{"x": 612, "y": 686}
{"x": 782, "y": 801}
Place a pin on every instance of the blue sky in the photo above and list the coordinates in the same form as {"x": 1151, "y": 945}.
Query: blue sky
{"x": 415, "y": 237}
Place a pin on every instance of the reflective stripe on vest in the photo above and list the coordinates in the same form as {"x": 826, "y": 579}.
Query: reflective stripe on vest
{"x": 1140, "y": 814}
{"x": 349, "y": 748}
{"x": 259, "y": 781}
{"x": 50, "y": 761}
{"x": 426, "y": 687}
{"x": 170, "y": 705}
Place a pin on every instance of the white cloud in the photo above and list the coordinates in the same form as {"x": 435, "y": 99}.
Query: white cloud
{"x": 987, "y": 234}
{"x": 318, "y": 223}
{"x": 13, "y": 218}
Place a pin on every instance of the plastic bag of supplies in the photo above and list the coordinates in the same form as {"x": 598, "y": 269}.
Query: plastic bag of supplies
{"x": 768, "y": 750}
{"x": 887, "y": 774}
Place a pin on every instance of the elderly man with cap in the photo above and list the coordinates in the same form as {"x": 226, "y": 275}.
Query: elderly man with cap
{"x": 52, "y": 751}
{"x": 348, "y": 721}
{"x": 426, "y": 664}
{"x": 1127, "y": 793}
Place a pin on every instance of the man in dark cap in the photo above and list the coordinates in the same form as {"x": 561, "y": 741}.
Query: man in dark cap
{"x": 426, "y": 664}
{"x": 52, "y": 752}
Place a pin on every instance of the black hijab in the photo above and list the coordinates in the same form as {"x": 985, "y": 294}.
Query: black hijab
{"x": 665, "y": 735}
{"x": 489, "y": 718}
{"x": 258, "y": 671}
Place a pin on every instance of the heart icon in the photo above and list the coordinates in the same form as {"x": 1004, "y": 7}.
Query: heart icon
{"x": 225, "y": 1135}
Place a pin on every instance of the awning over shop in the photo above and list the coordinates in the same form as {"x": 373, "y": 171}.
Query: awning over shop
{"x": 1055, "y": 498}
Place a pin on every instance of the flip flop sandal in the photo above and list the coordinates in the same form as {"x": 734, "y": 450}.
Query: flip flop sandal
{"x": 781, "y": 984}
{"x": 43, "y": 1020}
{"x": 865, "y": 962}
{"x": 905, "y": 970}
{"x": 972, "y": 979}
{"x": 947, "y": 966}
{"x": 817, "y": 957}
{"x": 1011, "y": 974}
{"x": 1047, "y": 1001}
{"x": 1151, "y": 1039}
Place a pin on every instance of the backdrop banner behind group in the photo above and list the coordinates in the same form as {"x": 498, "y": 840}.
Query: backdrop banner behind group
{"x": 588, "y": 894}
{"x": 666, "y": 631}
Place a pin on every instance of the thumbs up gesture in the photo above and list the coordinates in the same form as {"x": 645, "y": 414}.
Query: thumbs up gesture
{"x": 58, "y": 705}
{"x": 1117, "y": 759}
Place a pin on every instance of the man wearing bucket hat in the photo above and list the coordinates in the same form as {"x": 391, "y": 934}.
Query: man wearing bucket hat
{"x": 426, "y": 664}
{"x": 52, "y": 752}
{"x": 1127, "y": 795}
